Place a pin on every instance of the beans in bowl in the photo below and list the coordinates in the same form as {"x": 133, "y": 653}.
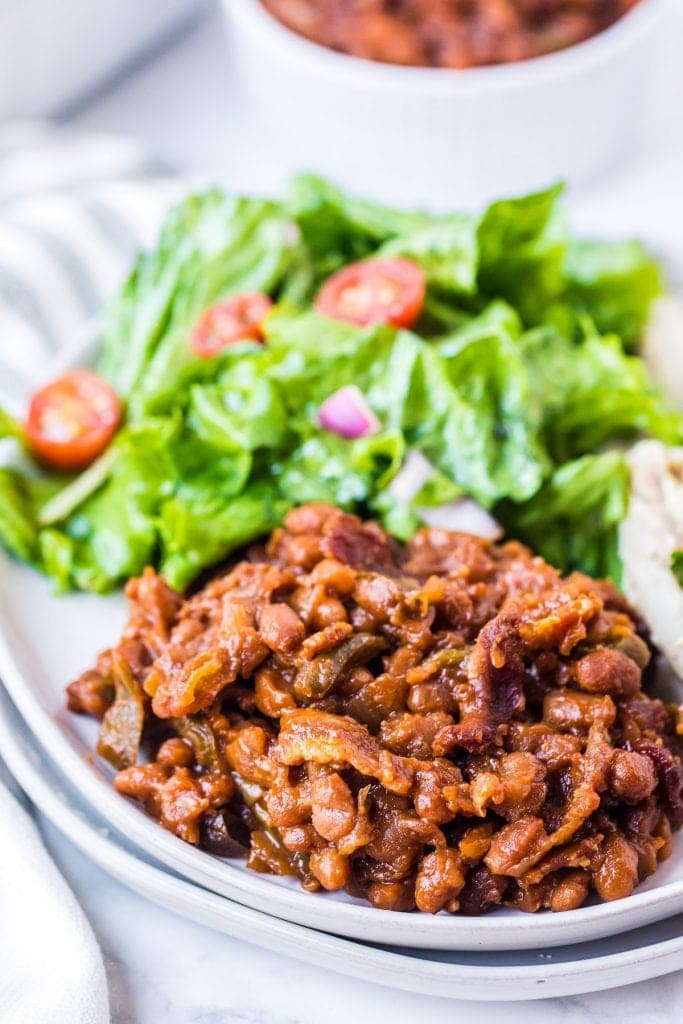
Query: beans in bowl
{"x": 448, "y": 33}
{"x": 449, "y": 725}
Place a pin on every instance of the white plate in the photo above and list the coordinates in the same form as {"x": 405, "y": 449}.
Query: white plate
{"x": 47, "y": 641}
{"x": 646, "y": 953}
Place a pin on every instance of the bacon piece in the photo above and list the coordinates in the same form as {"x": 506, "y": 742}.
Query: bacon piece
{"x": 360, "y": 545}
{"x": 193, "y": 686}
{"x": 307, "y": 735}
{"x": 495, "y": 668}
{"x": 670, "y": 775}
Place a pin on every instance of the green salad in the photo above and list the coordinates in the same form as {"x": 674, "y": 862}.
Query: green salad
{"x": 518, "y": 382}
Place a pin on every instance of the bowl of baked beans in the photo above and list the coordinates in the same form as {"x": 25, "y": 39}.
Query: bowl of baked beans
{"x": 447, "y": 101}
{"x": 454, "y": 34}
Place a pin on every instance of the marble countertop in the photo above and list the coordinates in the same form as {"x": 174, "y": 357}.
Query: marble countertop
{"x": 161, "y": 967}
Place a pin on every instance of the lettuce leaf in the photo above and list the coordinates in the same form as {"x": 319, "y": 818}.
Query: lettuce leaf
{"x": 466, "y": 401}
{"x": 593, "y": 392}
{"x": 211, "y": 246}
{"x": 337, "y": 227}
{"x": 572, "y": 521}
{"x": 196, "y": 532}
{"x": 445, "y": 249}
{"x": 324, "y": 467}
{"x": 18, "y": 527}
{"x": 614, "y": 283}
{"x": 522, "y": 245}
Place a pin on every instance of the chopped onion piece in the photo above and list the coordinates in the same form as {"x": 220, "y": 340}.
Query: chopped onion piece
{"x": 411, "y": 477}
{"x": 291, "y": 234}
{"x": 463, "y": 515}
{"x": 348, "y": 414}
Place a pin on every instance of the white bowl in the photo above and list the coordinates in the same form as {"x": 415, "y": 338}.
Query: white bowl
{"x": 441, "y": 137}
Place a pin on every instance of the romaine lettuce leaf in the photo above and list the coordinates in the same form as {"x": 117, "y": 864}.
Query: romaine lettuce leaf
{"x": 614, "y": 283}
{"x": 324, "y": 467}
{"x": 592, "y": 392}
{"x": 18, "y": 528}
{"x": 573, "y": 519}
{"x": 211, "y": 246}
{"x": 522, "y": 244}
{"x": 338, "y": 227}
{"x": 466, "y": 401}
{"x": 196, "y": 533}
{"x": 446, "y": 249}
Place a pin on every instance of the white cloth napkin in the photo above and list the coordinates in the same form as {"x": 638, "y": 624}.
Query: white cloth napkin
{"x": 72, "y": 214}
{"x": 52, "y": 970}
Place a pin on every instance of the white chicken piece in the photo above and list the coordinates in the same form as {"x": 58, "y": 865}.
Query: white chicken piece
{"x": 648, "y": 536}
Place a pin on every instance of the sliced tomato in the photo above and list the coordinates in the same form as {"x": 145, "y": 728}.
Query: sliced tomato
{"x": 72, "y": 420}
{"x": 390, "y": 291}
{"x": 238, "y": 319}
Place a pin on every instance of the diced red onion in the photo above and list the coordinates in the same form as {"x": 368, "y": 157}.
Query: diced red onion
{"x": 462, "y": 515}
{"x": 348, "y": 414}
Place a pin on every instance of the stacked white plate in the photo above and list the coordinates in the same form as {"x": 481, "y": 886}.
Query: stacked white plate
{"x": 45, "y": 641}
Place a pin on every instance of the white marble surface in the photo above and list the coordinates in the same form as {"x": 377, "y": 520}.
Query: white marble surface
{"x": 164, "y": 969}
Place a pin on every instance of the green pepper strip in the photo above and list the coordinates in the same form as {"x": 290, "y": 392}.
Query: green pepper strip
{"x": 319, "y": 676}
{"x": 121, "y": 730}
{"x": 293, "y": 863}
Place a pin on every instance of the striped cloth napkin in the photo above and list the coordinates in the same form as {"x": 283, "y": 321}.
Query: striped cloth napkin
{"x": 72, "y": 214}
{"x": 73, "y": 211}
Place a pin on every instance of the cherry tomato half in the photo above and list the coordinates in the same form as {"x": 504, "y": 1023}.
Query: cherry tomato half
{"x": 374, "y": 291}
{"x": 72, "y": 420}
{"x": 237, "y": 319}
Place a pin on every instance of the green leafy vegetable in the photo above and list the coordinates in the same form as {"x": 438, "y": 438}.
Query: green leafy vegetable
{"x": 615, "y": 283}
{"x": 522, "y": 245}
{"x": 572, "y": 521}
{"x": 677, "y": 566}
{"x": 18, "y": 529}
{"x": 592, "y": 392}
{"x": 9, "y": 427}
{"x": 512, "y": 384}
{"x": 211, "y": 246}
{"x": 196, "y": 533}
{"x": 445, "y": 249}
